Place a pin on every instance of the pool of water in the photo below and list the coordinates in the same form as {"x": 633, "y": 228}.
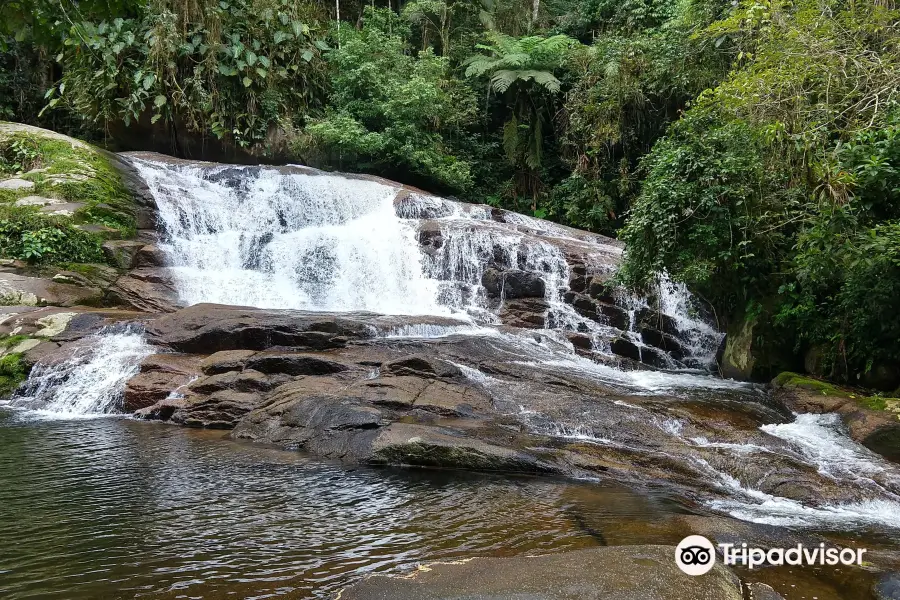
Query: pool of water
{"x": 115, "y": 508}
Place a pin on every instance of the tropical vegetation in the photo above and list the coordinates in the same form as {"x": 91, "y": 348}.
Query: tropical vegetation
{"x": 748, "y": 148}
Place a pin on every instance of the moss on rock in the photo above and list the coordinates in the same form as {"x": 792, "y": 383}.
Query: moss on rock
{"x": 75, "y": 193}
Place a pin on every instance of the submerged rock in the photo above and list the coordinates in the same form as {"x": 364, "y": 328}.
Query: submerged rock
{"x": 606, "y": 573}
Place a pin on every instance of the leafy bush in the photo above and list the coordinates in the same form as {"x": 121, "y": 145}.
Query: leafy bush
{"x": 28, "y": 235}
{"x": 12, "y": 373}
{"x": 390, "y": 109}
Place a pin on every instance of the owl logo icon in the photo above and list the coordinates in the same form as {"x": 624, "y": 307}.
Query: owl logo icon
{"x": 695, "y": 555}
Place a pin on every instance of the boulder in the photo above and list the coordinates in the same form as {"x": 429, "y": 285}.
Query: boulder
{"x": 149, "y": 255}
{"x": 224, "y": 361}
{"x": 410, "y": 444}
{"x": 612, "y": 315}
{"x": 527, "y": 313}
{"x": 160, "y": 376}
{"x": 220, "y": 410}
{"x": 122, "y": 253}
{"x": 513, "y": 284}
{"x": 601, "y": 290}
{"x": 146, "y": 289}
{"x": 663, "y": 341}
{"x": 208, "y": 328}
{"x": 293, "y": 364}
{"x": 603, "y": 573}
{"x": 22, "y": 290}
{"x": 247, "y": 380}
{"x": 626, "y": 348}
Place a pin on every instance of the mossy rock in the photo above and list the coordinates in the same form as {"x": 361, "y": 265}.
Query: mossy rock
{"x": 69, "y": 171}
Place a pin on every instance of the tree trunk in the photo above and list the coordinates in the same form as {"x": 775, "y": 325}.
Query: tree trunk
{"x": 535, "y": 7}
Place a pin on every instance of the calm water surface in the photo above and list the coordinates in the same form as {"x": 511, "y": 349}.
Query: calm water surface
{"x": 114, "y": 508}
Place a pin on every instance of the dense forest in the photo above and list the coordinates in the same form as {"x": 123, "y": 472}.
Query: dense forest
{"x": 750, "y": 148}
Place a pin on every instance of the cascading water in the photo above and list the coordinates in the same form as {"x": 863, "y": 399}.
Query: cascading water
{"x": 91, "y": 381}
{"x": 258, "y": 237}
{"x": 293, "y": 238}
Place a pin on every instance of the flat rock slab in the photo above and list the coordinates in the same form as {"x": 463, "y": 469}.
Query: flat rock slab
{"x": 16, "y": 184}
{"x": 66, "y": 209}
{"x": 37, "y": 201}
{"x": 33, "y": 291}
{"x": 607, "y": 573}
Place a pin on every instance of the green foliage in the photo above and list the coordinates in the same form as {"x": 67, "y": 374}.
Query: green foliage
{"x": 21, "y": 154}
{"x": 28, "y": 235}
{"x": 781, "y": 183}
{"x": 390, "y": 109}
{"x": 12, "y": 373}
{"x": 232, "y": 68}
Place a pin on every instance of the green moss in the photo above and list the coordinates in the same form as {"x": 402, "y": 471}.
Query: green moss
{"x": 95, "y": 183}
{"x": 12, "y": 373}
{"x": 10, "y": 341}
{"x": 794, "y": 380}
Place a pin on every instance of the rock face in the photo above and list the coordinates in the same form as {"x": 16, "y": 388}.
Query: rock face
{"x": 606, "y": 573}
{"x": 341, "y": 387}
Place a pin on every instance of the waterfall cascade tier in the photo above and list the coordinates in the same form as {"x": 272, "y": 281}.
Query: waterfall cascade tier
{"x": 291, "y": 237}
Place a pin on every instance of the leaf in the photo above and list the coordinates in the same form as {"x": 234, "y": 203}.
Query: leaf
{"x": 159, "y": 100}
{"x": 149, "y": 80}
{"x": 251, "y": 58}
{"x": 246, "y": 81}
{"x": 307, "y": 55}
{"x": 262, "y": 72}
{"x": 264, "y": 61}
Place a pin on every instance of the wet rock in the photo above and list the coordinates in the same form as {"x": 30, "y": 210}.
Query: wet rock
{"x": 160, "y": 375}
{"x": 208, "y": 328}
{"x": 122, "y": 252}
{"x": 888, "y": 587}
{"x": 513, "y": 284}
{"x": 149, "y": 255}
{"x": 293, "y": 364}
{"x": 626, "y": 348}
{"x": 657, "y": 320}
{"x": 146, "y": 389}
{"x": 605, "y": 573}
{"x": 422, "y": 366}
{"x": 655, "y": 358}
{"x": 409, "y": 444}
{"x": 301, "y": 415}
{"x": 583, "y": 305}
{"x": 162, "y": 410}
{"x": 220, "y": 410}
{"x": 663, "y": 341}
{"x": 602, "y": 291}
{"x": 761, "y": 591}
{"x": 613, "y": 316}
{"x": 527, "y": 313}
{"x": 577, "y": 283}
{"x": 37, "y": 201}
{"x": 224, "y": 361}
{"x": 247, "y": 380}
{"x": 580, "y": 340}
{"x": 877, "y": 430}
{"x": 146, "y": 289}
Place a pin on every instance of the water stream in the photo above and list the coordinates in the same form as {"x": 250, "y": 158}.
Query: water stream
{"x": 226, "y": 515}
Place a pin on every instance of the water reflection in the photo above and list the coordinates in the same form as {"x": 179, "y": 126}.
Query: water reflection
{"x": 115, "y": 508}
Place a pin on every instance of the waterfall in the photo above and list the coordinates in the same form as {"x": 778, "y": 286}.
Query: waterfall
{"x": 261, "y": 237}
{"x": 91, "y": 381}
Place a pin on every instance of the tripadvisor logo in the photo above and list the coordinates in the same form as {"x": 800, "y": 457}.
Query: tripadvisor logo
{"x": 696, "y": 555}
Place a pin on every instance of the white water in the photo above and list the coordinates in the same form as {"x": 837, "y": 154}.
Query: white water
{"x": 298, "y": 241}
{"x": 89, "y": 383}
